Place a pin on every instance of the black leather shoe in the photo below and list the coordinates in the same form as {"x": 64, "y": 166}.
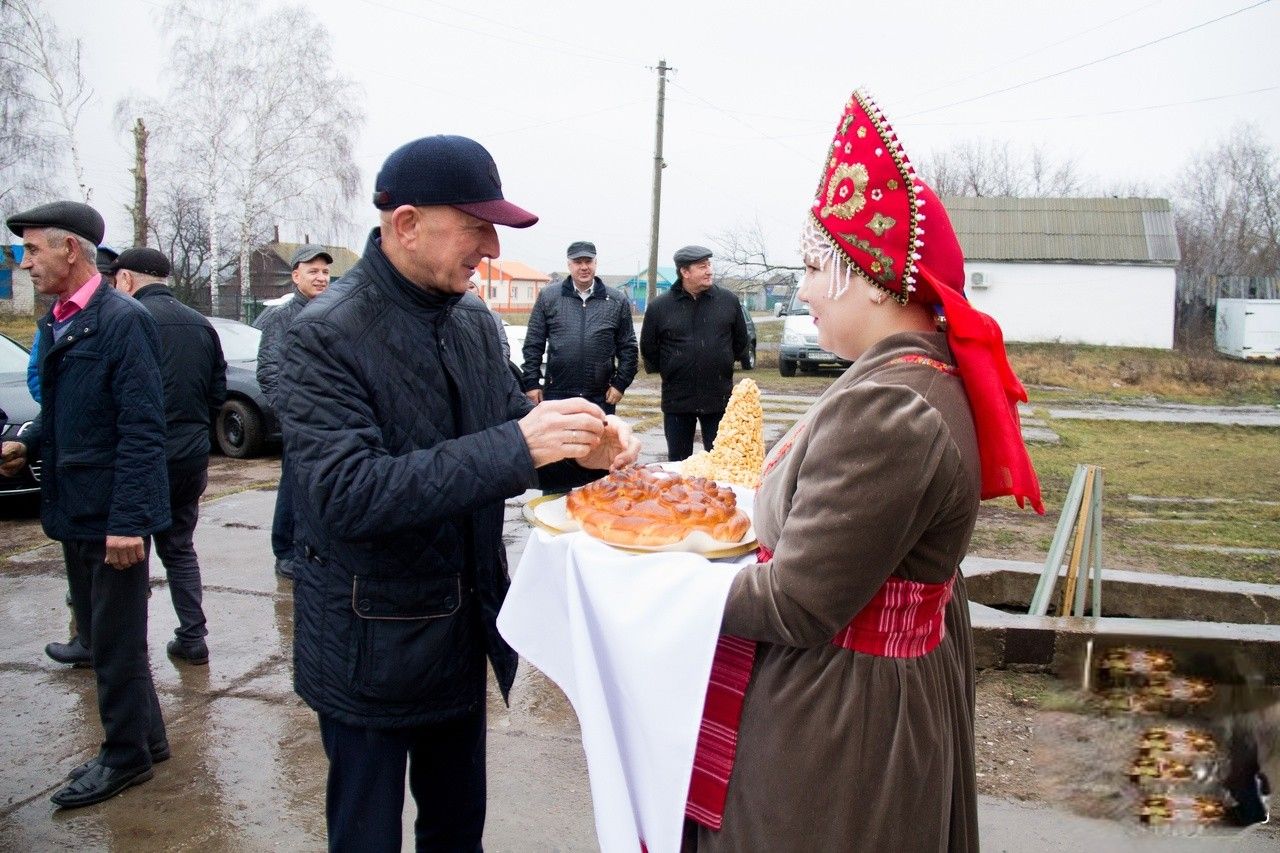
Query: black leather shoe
{"x": 159, "y": 753}
{"x": 99, "y": 783}
{"x": 197, "y": 653}
{"x": 75, "y": 653}
{"x": 284, "y": 568}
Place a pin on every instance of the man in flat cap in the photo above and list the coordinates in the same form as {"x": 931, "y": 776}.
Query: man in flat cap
{"x": 586, "y": 330}
{"x": 100, "y": 436}
{"x": 692, "y": 335}
{"x": 310, "y": 265}
{"x": 195, "y": 385}
{"x": 407, "y": 432}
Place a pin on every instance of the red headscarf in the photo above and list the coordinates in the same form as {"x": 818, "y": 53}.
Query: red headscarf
{"x": 888, "y": 225}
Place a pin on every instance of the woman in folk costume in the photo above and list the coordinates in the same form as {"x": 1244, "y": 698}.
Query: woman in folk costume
{"x": 840, "y": 710}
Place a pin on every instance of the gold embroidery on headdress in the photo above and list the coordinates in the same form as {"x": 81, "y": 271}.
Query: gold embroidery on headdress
{"x": 851, "y": 202}
{"x": 881, "y": 223}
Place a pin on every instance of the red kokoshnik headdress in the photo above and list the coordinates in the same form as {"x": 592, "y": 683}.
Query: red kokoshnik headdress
{"x": 878, "y": 219}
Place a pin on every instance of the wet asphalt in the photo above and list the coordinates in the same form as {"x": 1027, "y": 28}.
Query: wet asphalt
{"x": 248, "y": 769}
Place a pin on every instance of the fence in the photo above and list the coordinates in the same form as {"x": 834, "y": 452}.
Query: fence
{"x": 1198, "y": 297}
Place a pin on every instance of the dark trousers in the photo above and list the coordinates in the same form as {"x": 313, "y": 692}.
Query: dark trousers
{"x": 609, "y": 408}
{"x": 111, "y": 613}
{"x": 282, "y": 522}
{"x": 176, "y": 547}
{"x": 679, "y": 426}
{"x": 365, "y": 795}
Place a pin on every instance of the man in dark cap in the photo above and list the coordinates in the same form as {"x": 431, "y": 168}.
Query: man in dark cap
{"x": 195, "y": 385}
{"x": 100, "y": 435}
{"x": 407, "y": 433}
{"x": 310, "y": 265}
{"x": 588, "y": 331}
{"x": 692, "y": 335}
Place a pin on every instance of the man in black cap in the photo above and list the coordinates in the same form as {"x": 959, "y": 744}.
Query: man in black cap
{"x": 310, "y": 265}
{"x": 692, "y": 335}
{"x": 588, "y": 329}
{"x": 195, "y": 385}
{"x": 100, "y": 435}
{"x": 407, "y": 433}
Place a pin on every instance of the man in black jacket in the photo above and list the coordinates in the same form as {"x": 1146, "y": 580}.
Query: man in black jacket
{"x": 407, "y": 433}
{"x": 587, "y": 332}
{"x": 692, "y": 335}
{"x": 195, "y": 385}
{"x": 310, "y": 265}
{"x": 100, "y": 437}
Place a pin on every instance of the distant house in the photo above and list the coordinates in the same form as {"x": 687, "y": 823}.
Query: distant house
{"x": 509, "y": 285}
{"x": 17, "y": 295}
{"x": 1084, "y": 270}
{"x": 637, "y": 286}
{"x": 271, "y": 276}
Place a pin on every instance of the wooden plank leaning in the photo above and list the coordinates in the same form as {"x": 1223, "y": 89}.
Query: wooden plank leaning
{"x": 1058, "y": 547}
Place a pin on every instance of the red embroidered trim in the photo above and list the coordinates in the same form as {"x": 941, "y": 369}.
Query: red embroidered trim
{"x": 949, "y": 369}
{"x": 904, "y": 619}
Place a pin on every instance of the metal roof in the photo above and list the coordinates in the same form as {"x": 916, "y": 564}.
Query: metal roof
{"x": 1085, "y": 230}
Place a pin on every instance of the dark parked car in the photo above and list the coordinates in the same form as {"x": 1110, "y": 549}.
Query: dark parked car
{"x": 245, "y": 424}
{"x": 749, "y": 363}
{"x": 17, "y": 409}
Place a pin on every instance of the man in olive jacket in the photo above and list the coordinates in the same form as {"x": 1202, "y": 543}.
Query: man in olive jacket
{"x": 692, "y": 335}
{"x": 407, "y": 433}
{"x": 100, "y": 436}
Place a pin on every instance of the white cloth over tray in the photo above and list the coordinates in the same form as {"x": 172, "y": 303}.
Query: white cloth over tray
{"x": 629, "y": 638}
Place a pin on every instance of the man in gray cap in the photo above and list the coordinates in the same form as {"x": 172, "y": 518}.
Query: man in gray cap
{"x": 195, "y": 385}
{"x": 692, "y": 335}
{"x": 407, "y": 433}
{"x": 588, "y": 331}
{"x": 310, "y": 265}
{"x": 100, "y": 436}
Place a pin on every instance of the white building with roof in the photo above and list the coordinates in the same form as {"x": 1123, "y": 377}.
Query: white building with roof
{"x": 1077, "y": 270}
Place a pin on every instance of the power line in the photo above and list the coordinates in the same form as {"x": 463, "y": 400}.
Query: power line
{"x": 759, "y": 133}
{"x": 1032, "y": 53}
{"x": 1106, "y": 58}
{"x": 1097, "y": 114}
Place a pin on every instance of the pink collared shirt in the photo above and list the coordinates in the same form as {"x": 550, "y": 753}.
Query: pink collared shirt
{"x": 65, "y": 309}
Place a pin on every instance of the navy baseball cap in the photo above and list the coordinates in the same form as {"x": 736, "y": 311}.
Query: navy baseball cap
{"x": 451, "y": 170}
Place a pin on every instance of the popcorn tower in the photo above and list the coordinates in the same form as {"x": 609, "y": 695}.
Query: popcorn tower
{"x": 737, "y": 456}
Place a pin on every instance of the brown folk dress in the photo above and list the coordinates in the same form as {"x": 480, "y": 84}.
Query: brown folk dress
{"x": 839, "y": 750}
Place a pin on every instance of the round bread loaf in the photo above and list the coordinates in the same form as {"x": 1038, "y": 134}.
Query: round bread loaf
{"x": 638, "y": 506}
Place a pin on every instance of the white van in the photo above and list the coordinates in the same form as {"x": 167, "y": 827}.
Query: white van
{"x": 799, "y": 347}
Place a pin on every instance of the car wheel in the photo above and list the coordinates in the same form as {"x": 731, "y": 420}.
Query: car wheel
{"x": 809, "y": 368}
{"x": 786, "y": 367}
{"x": 239, "y": 429}
{"x": 749, "y": 363}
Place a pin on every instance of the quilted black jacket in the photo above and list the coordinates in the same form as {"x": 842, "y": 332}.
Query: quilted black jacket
{"x": 273, "y": 323}
{"x": 590, "y": 345}
{"x": 194, "y": 371}
{"x": 399, "y": 417}
{"x": 100, "y": 433}
{"x": 693, "y": 343}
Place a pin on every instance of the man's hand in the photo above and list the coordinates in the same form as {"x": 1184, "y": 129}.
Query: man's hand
{"x": 618, "y": 447}
{"x": 124, "y": 551}
{"x": 562, "y": 429}
{"x": 535, "y": 396}
{"x": 612, "y": 396}
{"x": 13, "y": 454}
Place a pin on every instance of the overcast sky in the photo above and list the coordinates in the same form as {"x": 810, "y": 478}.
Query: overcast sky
{"x": 563, "y": 94}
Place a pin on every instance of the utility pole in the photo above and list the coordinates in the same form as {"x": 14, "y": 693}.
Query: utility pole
{"x": 139, "y": 209}
{"x": 658, "y": 166}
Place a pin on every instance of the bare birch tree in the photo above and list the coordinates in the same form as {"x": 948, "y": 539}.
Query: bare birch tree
{"x": 48, "y": 70}
{"x": 986, "y": 167}
{"x": 257, "y": 120}
{"x": 1228, "y": 207}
